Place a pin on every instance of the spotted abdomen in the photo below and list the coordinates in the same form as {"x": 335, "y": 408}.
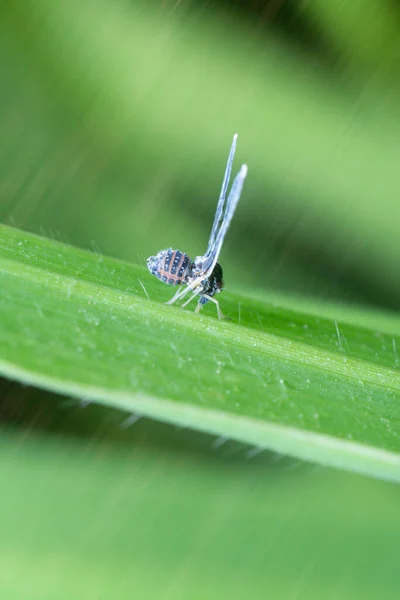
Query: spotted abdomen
{"x": 171, "y": 266}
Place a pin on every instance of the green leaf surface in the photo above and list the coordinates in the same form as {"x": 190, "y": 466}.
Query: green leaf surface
{"x": 312, "y": 386}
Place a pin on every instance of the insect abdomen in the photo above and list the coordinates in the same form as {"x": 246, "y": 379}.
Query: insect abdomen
{"x": 171, "y": 266}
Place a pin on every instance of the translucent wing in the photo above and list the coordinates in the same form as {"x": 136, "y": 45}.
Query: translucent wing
{"x": 217, "y": 237}
{"x": 221, "y": 201}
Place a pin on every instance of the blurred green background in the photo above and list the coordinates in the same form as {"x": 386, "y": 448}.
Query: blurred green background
{"x": 116, "y": 119}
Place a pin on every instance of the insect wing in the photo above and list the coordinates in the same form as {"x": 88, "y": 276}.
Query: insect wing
{"x": 211, "y": 256}
{"x": 222, "y": 196}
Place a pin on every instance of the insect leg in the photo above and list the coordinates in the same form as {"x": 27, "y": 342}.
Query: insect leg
{"x": 179, "y": 294}
{"x": 211, "y": 299}
{"x": 190, "y": 299}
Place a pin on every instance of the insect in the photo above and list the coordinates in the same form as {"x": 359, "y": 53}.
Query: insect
{"x": 203, "y": 275}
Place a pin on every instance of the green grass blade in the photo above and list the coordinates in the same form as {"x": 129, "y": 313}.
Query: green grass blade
{"x": 314, "y": 387}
